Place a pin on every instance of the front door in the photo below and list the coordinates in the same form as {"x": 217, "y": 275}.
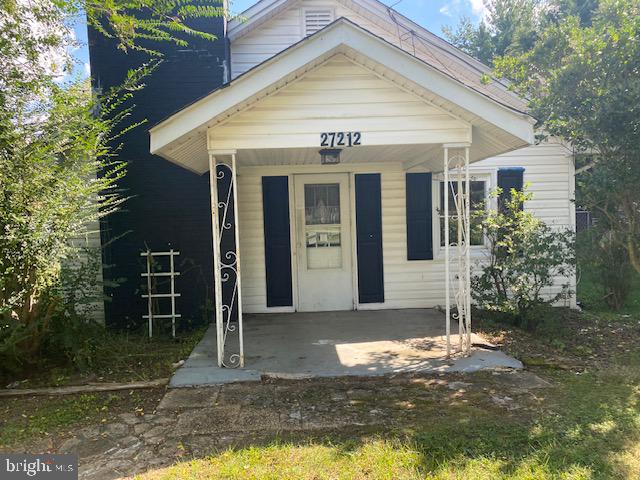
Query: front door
{"x": 323, "y": 231}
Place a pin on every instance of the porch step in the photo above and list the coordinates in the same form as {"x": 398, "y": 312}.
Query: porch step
{"x": 201, "y": 368}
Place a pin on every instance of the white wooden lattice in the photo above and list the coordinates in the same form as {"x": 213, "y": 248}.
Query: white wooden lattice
{"x": 150, "y": 274}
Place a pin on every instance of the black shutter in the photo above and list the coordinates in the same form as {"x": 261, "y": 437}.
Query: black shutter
{"x": 509, "y": 178}
{"x": 369, "y": 238}
{"x": 277, "y": 241}
{"x": 419, "y": 217}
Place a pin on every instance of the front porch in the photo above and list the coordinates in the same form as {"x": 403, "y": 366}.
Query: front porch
{"x": 333, "y": 344}
{"x": 322, "y": 163}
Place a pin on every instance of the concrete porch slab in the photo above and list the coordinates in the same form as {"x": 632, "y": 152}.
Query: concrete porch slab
{"x": 332, "y": 344}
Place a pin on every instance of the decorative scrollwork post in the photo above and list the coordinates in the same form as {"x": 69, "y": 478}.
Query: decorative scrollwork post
{"x": 461, "y": 194}
{"x": 226, "y": 265}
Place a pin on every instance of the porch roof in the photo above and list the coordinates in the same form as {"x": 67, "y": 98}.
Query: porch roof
{"x": 495, "y": 127}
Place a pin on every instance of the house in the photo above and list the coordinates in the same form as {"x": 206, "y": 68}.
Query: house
{"x": 327, "y": 139}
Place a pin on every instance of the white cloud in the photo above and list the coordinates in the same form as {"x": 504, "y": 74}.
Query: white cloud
{"x": 451, "y": 9}
{"x": 87, "y": 68}
{"x": 458, "y": 8}
{"x": 478, "y": 8}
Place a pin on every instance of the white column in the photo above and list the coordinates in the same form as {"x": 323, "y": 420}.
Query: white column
{"x": 462, "y": 202}
{"x": 468, "y": 252}
{"x": 460, "y": 248}
{"x": 236, "y": 221}
{"x": 446, "y": 251}
{"x": 217, "y": 275}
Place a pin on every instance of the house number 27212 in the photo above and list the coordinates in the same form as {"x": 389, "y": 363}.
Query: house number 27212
{"x": 340, "y": 139}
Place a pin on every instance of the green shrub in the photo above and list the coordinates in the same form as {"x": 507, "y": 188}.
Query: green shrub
{"x": 66, "y": 334}
{"x": 526, "y": 256}
{"x": 605, "y": 262}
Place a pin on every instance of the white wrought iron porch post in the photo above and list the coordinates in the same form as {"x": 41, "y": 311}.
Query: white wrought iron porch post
{"x": 217, "y": 274}
{"x": 446, "y": 250}
{"x": 460, "y": 246}
{"x": 460, "y": 189}
{"x": 468, "y": 252}
{"x": 234, "y": 174}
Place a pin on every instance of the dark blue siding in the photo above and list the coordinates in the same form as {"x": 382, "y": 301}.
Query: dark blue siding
{"x": 277, "y": 241}
{"x": 168, "y": 205}
{"x": 369, "y": 238}
{"x": 419, "y": 216}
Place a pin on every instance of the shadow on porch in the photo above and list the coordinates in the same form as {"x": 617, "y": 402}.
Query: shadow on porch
{"x": 333, "y": 344}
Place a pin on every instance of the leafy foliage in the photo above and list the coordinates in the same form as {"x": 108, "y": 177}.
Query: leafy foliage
{"x": 33, "y": 31}
{"x": 581, "y": 73}
{"x": 582, "y": 9}
{"x": 525, "y": 258}
{"x": 58, "y": 158}
{"x": 34, "y": 35}
{"x": 584, "y": 86}
{"x": 602, "y": 258}
{"x": 138, "y": 24}
{"x": 510, "y": 26}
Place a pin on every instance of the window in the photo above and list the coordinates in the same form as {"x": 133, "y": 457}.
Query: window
{"x": 322, "y": 225}
{"x": 322, "y": 204}
{"x": 478, "y": 201}
{"x": 316, "y": 19}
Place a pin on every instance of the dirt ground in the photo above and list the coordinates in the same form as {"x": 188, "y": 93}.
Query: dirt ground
{"x": 190, "y": 423}
{"x": 128, "y": 433}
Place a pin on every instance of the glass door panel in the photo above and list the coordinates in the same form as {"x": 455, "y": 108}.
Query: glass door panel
{"x": 322, "y": 226}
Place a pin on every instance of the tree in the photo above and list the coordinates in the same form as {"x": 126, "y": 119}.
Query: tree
{"x": 138, "y": 24}
{"x": 49, "y": 195}
{"x": 510, "y": 26}
{"x": 54, "y": 138}
{"x": 582, "y": 9}
{"x": 477, "y": 41}
{"x": 584, "y": 86}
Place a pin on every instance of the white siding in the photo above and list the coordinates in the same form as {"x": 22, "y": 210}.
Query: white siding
{"x": 342, "y": 96}
{"x": 408, "y": 284}
{"x": 88, "y": 252}
{"x": 338, "y": 96}
{"x": 288, "y": 27}
{"x": 254, "y": 285}
{"x": 549, "y": 171}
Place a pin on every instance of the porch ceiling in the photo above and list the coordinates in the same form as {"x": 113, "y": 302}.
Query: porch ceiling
{"x": 254, "y": 112}
{"x": 428, "y": 157}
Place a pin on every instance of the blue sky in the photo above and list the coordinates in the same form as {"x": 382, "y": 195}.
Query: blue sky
{"x": 431, "y": 14}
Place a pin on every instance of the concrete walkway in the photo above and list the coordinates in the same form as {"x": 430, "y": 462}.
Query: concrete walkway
{"x": 334, "y": 344}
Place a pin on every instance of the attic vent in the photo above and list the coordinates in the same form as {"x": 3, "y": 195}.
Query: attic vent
{"x": 316, "y": 19}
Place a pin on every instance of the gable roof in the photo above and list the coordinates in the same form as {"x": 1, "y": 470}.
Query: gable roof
{"x": 412, "y": 37}
{"x": 180, "y": 136}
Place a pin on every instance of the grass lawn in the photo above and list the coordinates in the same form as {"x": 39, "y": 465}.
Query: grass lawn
{"x": 30, "y": 424}
{"x": 119, "y": 357}
{"x": 585, "y": 426}
{"x": 27, "y": 423}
